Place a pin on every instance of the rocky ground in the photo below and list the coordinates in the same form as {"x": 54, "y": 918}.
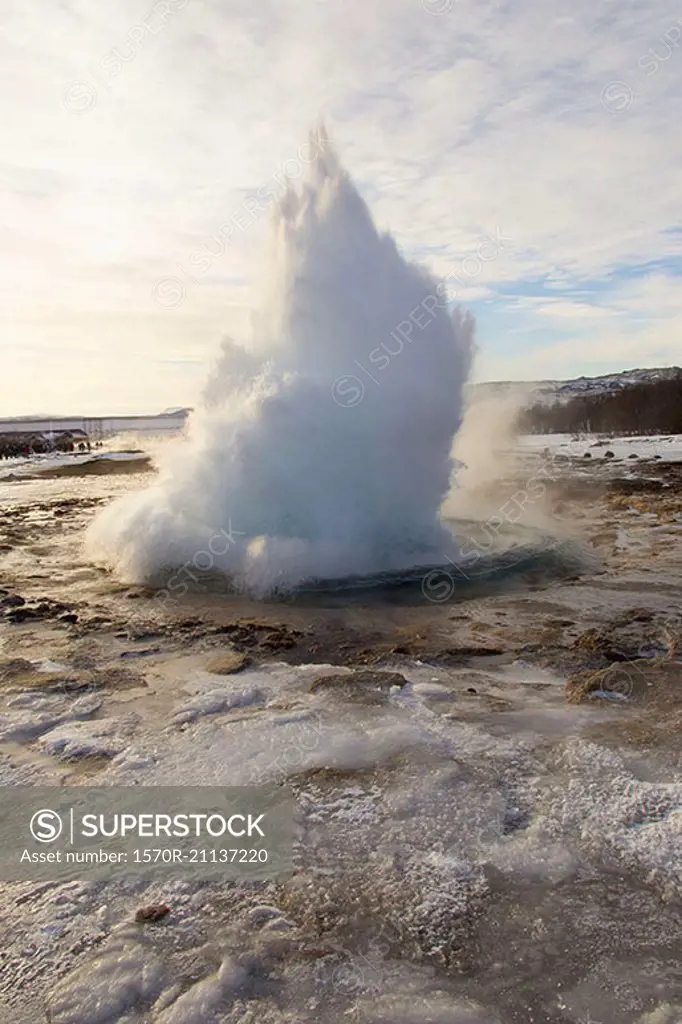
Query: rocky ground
{"x": 490, "y": 805}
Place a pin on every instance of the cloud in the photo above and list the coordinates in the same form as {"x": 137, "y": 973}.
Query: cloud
{"x": 133, "y": 131}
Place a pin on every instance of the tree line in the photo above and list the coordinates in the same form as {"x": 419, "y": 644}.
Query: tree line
{"x": 651, "y": 407}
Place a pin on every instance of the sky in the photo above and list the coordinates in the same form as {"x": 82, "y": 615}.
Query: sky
{"x": 528, "y": 152}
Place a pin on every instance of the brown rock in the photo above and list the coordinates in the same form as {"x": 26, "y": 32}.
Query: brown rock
{"x": 153, "y": 912}
{"x": 227, "y": 663}
{"x": 15, "y": 668}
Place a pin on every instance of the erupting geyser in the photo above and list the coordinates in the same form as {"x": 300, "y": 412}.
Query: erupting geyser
{"x": 323, "y": 447}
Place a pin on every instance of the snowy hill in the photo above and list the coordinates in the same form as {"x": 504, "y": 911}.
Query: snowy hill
{"x": 550, "y": 391}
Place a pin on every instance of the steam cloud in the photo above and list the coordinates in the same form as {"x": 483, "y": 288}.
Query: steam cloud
{"x": 323, "y": 449}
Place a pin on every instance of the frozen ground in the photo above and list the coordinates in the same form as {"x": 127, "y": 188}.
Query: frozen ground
{"x": 491, "y": 834}
{"x": 648, "y": 446}
{"x": 58, "y": 462}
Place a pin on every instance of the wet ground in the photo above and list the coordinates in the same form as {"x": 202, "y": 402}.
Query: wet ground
{"x": 486, "y": 758}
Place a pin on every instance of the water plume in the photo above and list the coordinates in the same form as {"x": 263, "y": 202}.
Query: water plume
{"x": 322, "y": 447}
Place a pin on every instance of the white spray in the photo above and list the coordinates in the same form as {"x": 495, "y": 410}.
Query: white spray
{"x": 323, "y": 448}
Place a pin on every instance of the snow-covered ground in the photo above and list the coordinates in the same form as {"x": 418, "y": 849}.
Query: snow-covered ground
{"x": 474, "y": 847}
{"x": 27, "y": 466}
{"x": 667, "y": 447}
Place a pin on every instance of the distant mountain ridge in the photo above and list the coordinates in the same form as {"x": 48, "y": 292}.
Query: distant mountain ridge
{"x": 550, "y": 391}
{"x": 42, "y": 416}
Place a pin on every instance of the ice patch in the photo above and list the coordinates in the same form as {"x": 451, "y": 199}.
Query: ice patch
{"x": 205, "y": 1002}
{"x": 352, "y": 805}
{"x": 74, "y": 740}
{"x": 214, "y": 702}
{"x": 125, "y": 977}
{"x": 596, "y": 804}
{"x": 432, "y": 691}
